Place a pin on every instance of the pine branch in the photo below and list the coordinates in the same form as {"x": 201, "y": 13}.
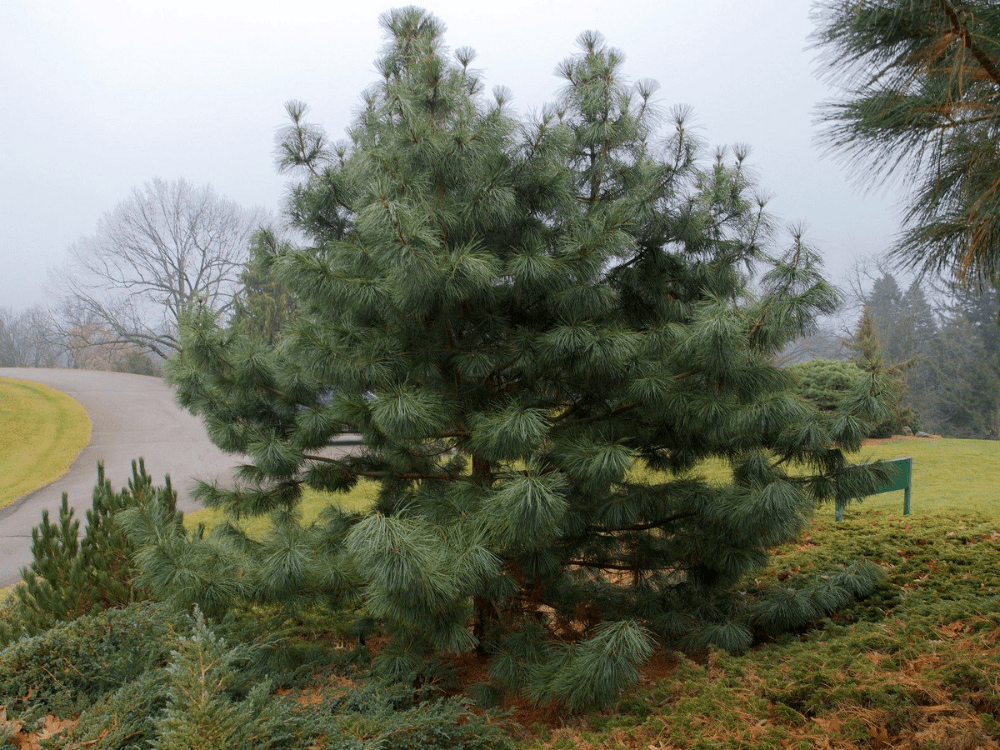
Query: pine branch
{"x": 386, "y": 474}
{"x": 601, "y": 417}
{"x": 606, "y": 566}
{"x": 411, "y": 475}
{"x": 962, "y": 30}
{"x": 658, "y": 524}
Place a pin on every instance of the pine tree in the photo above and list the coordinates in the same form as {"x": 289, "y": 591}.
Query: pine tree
{"x": 965, "y": 394}
{"x": 981, "y": 308}
{"x": 201, "y": 710}
{"x": 69, "y": 575}
{"x": 962, "y": 372}
{"x": 885, "y": 303}
{"x": 263, "y": 304}
{"x": 922, "y": 322}
{"x": 869, "y": 355}
{"x": 898, "y": 330}
{"x": 541, "y": 328}
{"x": 867, "y": 344}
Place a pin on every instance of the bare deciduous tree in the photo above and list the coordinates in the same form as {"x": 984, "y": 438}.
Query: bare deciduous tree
{"x": 27, "y": 339}
{"x": 166, "y": 246}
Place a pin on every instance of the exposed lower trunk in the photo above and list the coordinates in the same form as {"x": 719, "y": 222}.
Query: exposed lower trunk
{"x": 482, "y": 469}
{"x": 484, "y": 611}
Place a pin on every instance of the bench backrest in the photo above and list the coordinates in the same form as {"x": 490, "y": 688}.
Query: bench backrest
{"x": 900, "y": 478}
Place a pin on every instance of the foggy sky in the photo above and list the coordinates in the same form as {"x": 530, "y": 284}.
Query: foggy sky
{"x": 100, "y": 96}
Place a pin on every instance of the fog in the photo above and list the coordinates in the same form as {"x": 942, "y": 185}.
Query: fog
{"x": 103, "y": 95}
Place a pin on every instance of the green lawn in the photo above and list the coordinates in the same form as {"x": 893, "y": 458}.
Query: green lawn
{"x": 948, "y": 475}
{"x": 313, "y": 502}
{"x": 44, "y": 431}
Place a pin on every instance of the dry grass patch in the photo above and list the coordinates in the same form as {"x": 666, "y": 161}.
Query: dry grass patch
{"x": 313, "y": 502}
{"x": 44, "y": 431}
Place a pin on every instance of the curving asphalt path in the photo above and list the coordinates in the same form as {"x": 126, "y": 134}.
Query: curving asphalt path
{"x": 132, "y": 416}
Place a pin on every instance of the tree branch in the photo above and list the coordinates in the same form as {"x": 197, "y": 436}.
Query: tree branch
{"x": 649, "y": 525}
{"x": 962, "y": 30}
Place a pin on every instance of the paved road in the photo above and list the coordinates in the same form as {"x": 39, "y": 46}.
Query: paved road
{"x": 133, "y": 416}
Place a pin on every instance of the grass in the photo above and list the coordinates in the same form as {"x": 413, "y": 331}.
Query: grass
{"x": 943, "y": 480}
{"x": 313, "y": 502}
{"x": 948, "y": 475}
{"x": 44, "y": 431}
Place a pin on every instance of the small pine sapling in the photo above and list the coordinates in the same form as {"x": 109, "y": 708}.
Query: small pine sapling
{"x": 70, "y": 576}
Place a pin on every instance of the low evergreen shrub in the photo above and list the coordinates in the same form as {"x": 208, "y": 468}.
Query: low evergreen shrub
{"x": 201, "y": 710}
{"x": 74, "y": 665}
{"x": 825, "y": 382}
{"x": 124, "y": 718}
{"x": 147, "y": 676}
{"x": 397, "y": 716}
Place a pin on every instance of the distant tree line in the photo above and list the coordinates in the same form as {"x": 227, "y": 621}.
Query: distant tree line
{"x": 37, "y": 337}
{"x": 939, "y": 343}
{"x": 27, "y": 339}
{"x": 948, "y": 354}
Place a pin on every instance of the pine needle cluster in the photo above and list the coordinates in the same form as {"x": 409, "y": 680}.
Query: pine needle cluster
{"x": 72, "y": 574}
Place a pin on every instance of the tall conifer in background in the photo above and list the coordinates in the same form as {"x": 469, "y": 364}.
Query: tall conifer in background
{"x": 540, "y": 328}
{"x": 263, "y": 304}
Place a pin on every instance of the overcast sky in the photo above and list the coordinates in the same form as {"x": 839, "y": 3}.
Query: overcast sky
{"x": 99, "y": 96}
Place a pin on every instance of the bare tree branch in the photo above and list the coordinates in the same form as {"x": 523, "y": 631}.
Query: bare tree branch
{"x": 28, "y": 339}
{"x": 167, "y": 245}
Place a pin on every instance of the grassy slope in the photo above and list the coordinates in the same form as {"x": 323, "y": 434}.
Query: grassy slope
{"x": 913, "y": 666}
{"x": 313, "y": 503}
{"x": 44, "y": 431}
{"x": 948, "y": 475}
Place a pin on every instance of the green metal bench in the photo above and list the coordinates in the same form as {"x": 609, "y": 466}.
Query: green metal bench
{"x": 900, "y": 478}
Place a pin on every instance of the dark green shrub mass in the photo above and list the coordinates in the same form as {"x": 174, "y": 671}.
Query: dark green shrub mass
{"x": 826, "y": 383}
{"x": 73, "y": 665}
{"x": 145, "y": 676}
{"x": 829, "y": 383}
